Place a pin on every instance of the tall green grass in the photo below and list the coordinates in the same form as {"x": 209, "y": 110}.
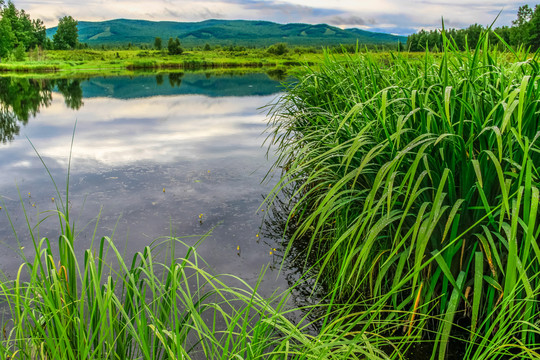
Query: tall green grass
{"x": 163, "y": 303}
{"x": 417, "y": 185}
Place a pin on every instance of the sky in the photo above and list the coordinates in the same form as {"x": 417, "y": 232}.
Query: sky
{"x": 389, "y": 16}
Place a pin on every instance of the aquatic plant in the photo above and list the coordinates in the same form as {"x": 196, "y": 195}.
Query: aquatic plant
{"x": 416, "y": 185}
{"x": 163, "y": 303}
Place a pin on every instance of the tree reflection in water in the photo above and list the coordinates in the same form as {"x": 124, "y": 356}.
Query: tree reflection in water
{"x": 21, "y": 98}
{"x": 72, "y": 92}
{"x": 175, "y": 79}
{"x": 8, "y": 126}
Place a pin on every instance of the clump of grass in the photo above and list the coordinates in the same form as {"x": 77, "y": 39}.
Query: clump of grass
{"x": 142, "y": 64}
{"x": 418, "y": 184}
{"x": 29, "y": 68}
{"x": 156, "y": 305}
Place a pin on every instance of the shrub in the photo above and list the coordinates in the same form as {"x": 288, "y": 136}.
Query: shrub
{"x": 278, "y": 49}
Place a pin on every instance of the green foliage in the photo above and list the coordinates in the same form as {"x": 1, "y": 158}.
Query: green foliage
{"x": 17, "y": 29}
{"x": 278, "y": 49}
{"x": 534, "y": 32}
{"x": 67, "y": 34}
{"x": 416, "y": 185}
{"x": 19, "y": 54}
{"x": 173, "y": 47}
{"x": 433, "y": 40}
{"x": 158, "y": 43}
{"x": 22, "y": 98}
{"x": 525, "y": 31}
{"x": 7, "y": 38}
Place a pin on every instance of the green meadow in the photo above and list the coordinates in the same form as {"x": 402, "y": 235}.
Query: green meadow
{"x": 99, "y": 61}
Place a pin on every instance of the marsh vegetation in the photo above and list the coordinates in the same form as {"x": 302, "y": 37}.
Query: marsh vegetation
{"x": 415, "y": 189}
{"x": 407, "y": 207}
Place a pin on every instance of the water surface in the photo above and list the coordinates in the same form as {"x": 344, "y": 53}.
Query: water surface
{"x": 154, "y": 155}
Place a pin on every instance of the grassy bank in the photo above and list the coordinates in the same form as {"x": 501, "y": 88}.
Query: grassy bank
{"x": 92, "y": 60}
{"x": 126, "y": 61}
{"x": 415, "y": 185}
{"x": 414, "y": 201}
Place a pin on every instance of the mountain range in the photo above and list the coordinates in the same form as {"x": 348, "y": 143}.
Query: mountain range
{"x": 224, "y": 32}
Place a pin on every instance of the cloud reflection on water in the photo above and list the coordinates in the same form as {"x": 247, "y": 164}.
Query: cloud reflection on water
{"x": 204, "y": 151}
{"x": 115, "y": 132}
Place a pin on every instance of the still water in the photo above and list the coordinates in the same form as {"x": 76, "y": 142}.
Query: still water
{"x": 159, "y": 154}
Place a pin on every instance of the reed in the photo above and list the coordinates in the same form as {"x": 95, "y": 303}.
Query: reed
{"x": 162, "y": 303}
{"x": 416, "y": 184}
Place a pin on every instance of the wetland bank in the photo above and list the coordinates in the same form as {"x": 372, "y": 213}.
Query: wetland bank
{"x": 401, "y": 214}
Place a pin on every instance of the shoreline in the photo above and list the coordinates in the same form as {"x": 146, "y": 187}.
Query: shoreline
{"x": 51, "y": 61}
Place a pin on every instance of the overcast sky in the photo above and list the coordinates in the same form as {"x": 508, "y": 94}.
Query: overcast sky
{"x": 391, "y": 16}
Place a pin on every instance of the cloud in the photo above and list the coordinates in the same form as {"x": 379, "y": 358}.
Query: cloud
{"x": 464, "y": 5}
{"x": 369, "y": 15}
{"x": 350, "y": 20}
{"x": 283, "y": 11}
{"x": 201, "y": 13}
{"x": 206, "y": 13}
{"x": 173, "y": 13}
{"x": 48, "y": 19}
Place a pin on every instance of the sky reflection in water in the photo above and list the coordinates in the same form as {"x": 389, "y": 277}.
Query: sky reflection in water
{"x": 204, "y": 150}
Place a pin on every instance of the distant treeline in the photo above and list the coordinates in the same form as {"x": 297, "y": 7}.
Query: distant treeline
{"x": 19, "y": 33}
{"x": 525, "y": 31}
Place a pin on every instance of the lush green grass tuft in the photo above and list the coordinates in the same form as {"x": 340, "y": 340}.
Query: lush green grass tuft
{"x": 163, "y": 303}
{"x": 417, "y": 184}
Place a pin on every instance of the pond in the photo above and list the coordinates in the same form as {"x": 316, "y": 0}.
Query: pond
{"x": 153, "y": 155}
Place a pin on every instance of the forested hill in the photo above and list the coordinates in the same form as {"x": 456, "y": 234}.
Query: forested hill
{"x": 224, "y": 32}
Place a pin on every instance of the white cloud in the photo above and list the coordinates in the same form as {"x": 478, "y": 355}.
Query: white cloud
{"x": 115, "y": 132}
{"x": 413, "y": 14}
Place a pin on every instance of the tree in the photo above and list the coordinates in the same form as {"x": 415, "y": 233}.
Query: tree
{"x": 19, "y": 54}
{"x": 157, "y": 43}
{"x": 523, "y": 16}
{"x": 278, "y": 49}
{"x": 504, "y": 33}
{"x": 72, "y": 92}
{"x": 525, "y": 31}
{"x": 67, "y": 34}
{"x": 173, "y": 46}
{"x": 39, "y": 32}
{"x": 520, "y": 28}
{"x": 17, "y": 30}
{"x": 7, "y": 38}
{"x": 473, "y": 34}
{"x": 534, "y": 33}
